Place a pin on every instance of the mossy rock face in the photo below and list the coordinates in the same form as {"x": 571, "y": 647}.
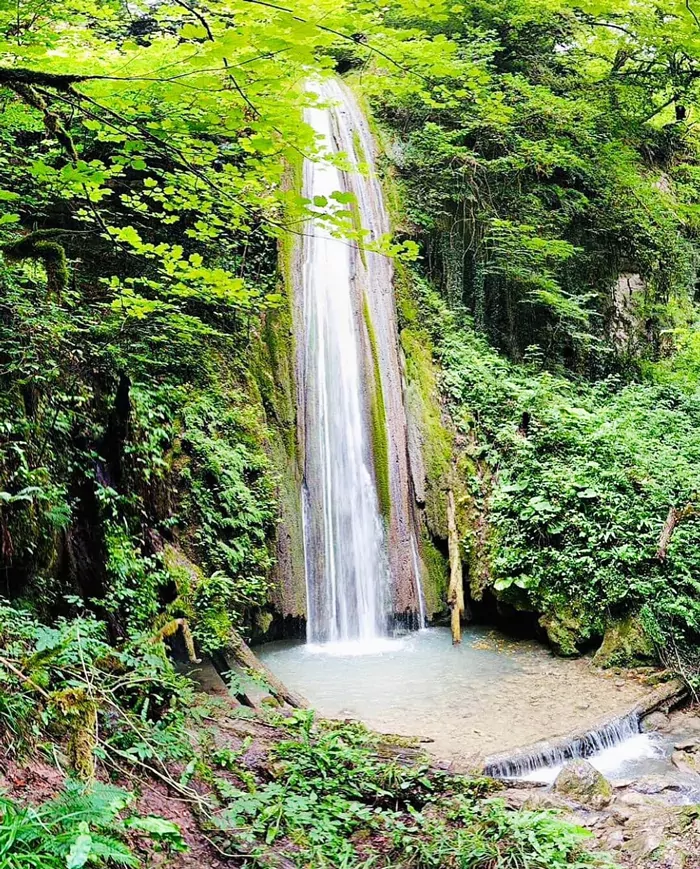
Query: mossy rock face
{"x": 186, "y": 575}
{"x": 625, "y": 644}
{"x": 380, "y": 434}
{"x": 564, "y": 631}
{"x": 437, "y": 579}
{"x": 425, "y": 412}
{"x": 581, "y": 781}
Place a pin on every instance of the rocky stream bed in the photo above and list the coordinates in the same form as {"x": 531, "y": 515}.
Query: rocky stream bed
{"x": 649, "y": 822}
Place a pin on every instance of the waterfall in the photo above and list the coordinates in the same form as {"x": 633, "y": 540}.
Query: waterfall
{"x": 422, "y": 616}
{"x": 356, "y": 496}
{"x": 522, "y": 764}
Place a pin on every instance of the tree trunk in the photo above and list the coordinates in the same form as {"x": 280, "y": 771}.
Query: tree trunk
{"x": 455, "y": 595}
{"x": 674, "y": 517}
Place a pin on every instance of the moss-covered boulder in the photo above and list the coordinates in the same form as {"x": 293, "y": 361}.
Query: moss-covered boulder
{"x": 564, "y": 631}
{"x": 581, "y": 781}
{"x": 185, "y": 574}
{"x": 625, "y": 644}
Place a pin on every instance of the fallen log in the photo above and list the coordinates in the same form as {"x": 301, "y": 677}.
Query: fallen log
{"x": 246, "y": 658}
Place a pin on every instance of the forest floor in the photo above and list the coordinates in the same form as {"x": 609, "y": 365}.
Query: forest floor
{"x": 647, "y": 823}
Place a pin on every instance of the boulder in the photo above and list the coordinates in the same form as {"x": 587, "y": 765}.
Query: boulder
{"x": 625, "y": 644}
{"x": 581, "y": 781}
{"x": 686, "y": 761}
{"x": 656, "y": 721}
{"x": 564, "y": 632}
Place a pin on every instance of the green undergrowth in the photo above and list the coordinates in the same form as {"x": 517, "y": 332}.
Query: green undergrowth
{"x": 584, "y": 475}
{"x": 336, "y": 803}
{"x": 261, "y": 788}
{"x": 119, "y": 437}
{"x": 81, "y": 826}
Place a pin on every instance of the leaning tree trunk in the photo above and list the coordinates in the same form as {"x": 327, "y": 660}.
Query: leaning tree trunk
{"x": 455, "y": 595}
{"x": 674, "y": 517}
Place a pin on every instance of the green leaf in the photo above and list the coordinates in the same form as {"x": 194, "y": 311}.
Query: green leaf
{"x": 79, "y": 852}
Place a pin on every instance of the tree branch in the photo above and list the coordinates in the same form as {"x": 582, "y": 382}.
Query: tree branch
{"x": 674, "y": 517}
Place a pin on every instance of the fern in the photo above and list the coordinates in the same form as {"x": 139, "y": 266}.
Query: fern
{"x": 81, "y": 826}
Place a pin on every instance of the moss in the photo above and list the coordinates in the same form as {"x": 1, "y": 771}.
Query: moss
{"x": 79, "y": 712}
{"x": 625, "y": 644}
{"x": 380, "y": 438}
{"x": 565, "y": 631}
{"x": 435, "y": 588}
{"x": 184, "y": 573}
{"x": 423, "y": 405}
{"x": 582, "y": 782}
{"x": 360, "y": 155}
{"x": 41, "y": 245}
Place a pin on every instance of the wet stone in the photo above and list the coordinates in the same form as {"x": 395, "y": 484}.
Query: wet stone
{"x": 581, "y": 781}
{"x": 655, "y": 785}
{"x": 687, "y": 745}
{"x": 656, "y": 721}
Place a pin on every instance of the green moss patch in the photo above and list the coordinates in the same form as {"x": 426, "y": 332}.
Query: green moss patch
{"x": 380, "y": 438}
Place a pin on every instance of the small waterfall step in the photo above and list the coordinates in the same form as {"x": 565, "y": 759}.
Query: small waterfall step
{"x": 545, "y": 755}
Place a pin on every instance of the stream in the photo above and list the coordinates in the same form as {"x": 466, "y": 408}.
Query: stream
{"x": 488, "y": 694}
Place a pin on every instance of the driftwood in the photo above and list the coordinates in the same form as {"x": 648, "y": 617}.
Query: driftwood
{"x": 247, "y": 659}
{"x": 455, "y": 594}
{"x": 674, "y": 517}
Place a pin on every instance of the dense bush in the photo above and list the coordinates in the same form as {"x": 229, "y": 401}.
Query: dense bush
{"x": 582, "y": 478}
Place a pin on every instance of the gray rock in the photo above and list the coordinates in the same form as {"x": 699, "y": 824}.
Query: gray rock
{"x": 622, "y": 814}
{"x": 645, "y": 842}
{"x": 685, "y": 762}
{"x": 655, "y": 784}
{"x": 691, "y": 722}
{"x": 656, "y": 721}
{"x": 613, "y": 839}
{"x": 581, "y": 781}
{"x": 687, "y": 745}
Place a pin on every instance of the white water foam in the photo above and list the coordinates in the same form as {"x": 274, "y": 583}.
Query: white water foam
{"x": 611, "y": 761}
{"x": 353, "y": 648}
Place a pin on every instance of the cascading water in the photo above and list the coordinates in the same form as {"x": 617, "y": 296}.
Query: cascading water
{"x": 535, "y": 763}
{"x": 360, "y": 564}
{"x": 422, "y": 617}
